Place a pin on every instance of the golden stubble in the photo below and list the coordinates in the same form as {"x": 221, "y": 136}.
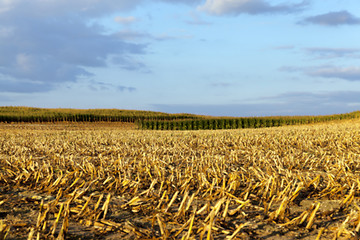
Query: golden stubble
{"x": 187, "y": 185}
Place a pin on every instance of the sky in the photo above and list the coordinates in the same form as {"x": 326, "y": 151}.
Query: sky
{"x": 210, "y": 57}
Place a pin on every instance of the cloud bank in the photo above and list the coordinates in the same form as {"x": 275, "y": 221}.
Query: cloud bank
{"x": 334, "y": 52}
{"x": 287, "y": 104}
{"x": 332, "y": 19}
{"x": 345, "y": 73}
{"x": 351, "y": 73}
{"x": 46, "y": 43}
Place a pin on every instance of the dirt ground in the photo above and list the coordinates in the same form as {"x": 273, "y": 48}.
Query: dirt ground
{"x": 20, "y": 210}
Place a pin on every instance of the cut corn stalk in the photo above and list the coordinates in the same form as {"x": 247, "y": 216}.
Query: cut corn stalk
{"x": 172, "y": 201}
{"x": 312, "y": 216}
{"x": 4, "y": 229}
{"x": 106, "y": 205}
{"x": 237, "y": 231}
{"x": 57, "y": 219}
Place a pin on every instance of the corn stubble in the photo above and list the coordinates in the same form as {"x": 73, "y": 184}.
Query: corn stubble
{"x": 291, "y": 182}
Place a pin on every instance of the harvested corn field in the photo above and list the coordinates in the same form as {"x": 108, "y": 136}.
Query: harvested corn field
{"x": 298, "y": 182}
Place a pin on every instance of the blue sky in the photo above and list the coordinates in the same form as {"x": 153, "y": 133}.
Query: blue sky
{"x": 213, "y": 57}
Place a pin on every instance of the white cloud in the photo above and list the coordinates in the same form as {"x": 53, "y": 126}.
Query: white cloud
{"x": 44, "y": 43}
{"x": 290, "y": 103}
{"x": 23, "y": 62}
{"x": 223, "y": 6}
{"x": 6, "y": 5}
{"x": 334, "y": 52}
{"x": 333, "y": 19}
{"x": 6, "y": 31}
{"x": 351, "y": 73}
{"x": 235, "y": 7}
{"x": 125, "y": 20}
{"x": 90, "y": 8}
{"x": 346, "y": 73}
{"x": 47, "y": 42}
